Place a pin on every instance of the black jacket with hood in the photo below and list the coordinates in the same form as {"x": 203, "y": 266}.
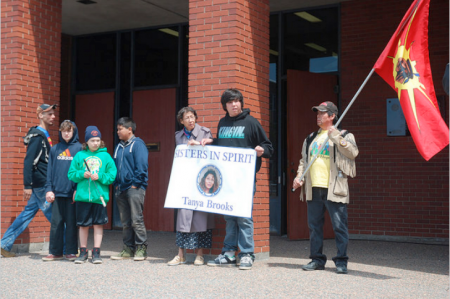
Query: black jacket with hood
{"x": 244, "y": 131}
{"x": 61, "y": 156}
{"x": 36, "y": 159}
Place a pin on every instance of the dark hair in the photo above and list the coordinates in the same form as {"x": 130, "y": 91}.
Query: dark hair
{"x": 330, "y": 114}
{"x": 185, "y": 110}
{"x": 84, "y": 146}
{"x": 67, "y": 125}
{"x": 127, "y": 122}
{"x": 216, "y": 183}
{"x": 230, "y": 95}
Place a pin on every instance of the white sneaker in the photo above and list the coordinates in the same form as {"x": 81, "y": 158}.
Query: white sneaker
{"x": 199, "y": 261}
{"x": 177, "y": 260}
{"x": 246, "y": 263}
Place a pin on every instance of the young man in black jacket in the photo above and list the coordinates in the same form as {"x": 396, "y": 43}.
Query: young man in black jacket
{"x": 239, "y": 129}
{"x": 38, "y": 144}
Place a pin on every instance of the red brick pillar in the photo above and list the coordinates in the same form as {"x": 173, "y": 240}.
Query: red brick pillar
{"x": 229, "y": 48}
{"x": 30, "y": 75}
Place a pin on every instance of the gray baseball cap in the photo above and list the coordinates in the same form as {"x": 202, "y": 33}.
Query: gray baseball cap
{"x": 326, "y": 106}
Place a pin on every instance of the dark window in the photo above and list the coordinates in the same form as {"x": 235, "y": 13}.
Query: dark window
{"x": 125, "y": 74}
{"x": 311, "y": 41}
{"x": 156, "y": 57}
{"x": 96, "y": 62}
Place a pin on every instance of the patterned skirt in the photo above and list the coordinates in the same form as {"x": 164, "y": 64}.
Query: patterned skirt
{"x": 194, "y": 240}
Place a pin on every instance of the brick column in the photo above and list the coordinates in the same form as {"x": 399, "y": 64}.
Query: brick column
{"x": 30, "y": 75}
{"x": 229, "y": 48}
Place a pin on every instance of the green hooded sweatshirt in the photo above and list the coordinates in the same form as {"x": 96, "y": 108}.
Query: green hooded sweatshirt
{"x": 99, "y": 162}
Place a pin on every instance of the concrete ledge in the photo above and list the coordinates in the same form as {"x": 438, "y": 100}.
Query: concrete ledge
{"x": 38, "y": 247}
{"x": 402, "y": 239}
{"x": 30, "y": 247}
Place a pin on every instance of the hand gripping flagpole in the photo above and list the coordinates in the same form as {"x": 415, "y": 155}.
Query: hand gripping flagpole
{"x": 336, "y": 125}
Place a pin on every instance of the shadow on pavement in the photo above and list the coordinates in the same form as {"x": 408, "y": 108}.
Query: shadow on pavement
{"x": 407, "y": 256}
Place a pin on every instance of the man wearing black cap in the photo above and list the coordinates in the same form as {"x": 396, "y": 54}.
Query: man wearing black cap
{"x": 38, "y": 144}
{"x": 326, "y": 185}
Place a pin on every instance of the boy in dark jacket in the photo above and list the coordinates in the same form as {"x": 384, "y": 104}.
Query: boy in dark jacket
{"x": 131, "y": 158}
{"x": 60, "y": 190}
{"x": 38, "y": 144}
{"x": 239, "y": 129}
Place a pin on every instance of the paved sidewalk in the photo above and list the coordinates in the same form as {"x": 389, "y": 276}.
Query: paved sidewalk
{"x": 376, "y": 270}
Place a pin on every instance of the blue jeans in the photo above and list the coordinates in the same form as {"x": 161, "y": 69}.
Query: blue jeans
{"x": 239, "y": 232}
{"x": 316, "y": 219}
{"x": 22, "y": 221}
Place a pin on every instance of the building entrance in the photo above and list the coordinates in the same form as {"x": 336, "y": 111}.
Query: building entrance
{"x": 141, "y": 74}
{"x": 304, "y": 71}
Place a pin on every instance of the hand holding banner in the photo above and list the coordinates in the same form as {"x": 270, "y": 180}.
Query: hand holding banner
{"x": 212, "y": 179}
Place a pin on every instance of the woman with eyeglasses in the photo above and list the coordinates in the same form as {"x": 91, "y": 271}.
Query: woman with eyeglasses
{"x": 194, "y": 228}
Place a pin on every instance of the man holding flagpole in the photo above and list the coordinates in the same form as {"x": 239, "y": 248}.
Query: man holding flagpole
{"x": 326, "y": 184}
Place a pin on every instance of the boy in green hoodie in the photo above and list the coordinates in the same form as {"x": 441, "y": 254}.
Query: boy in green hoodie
{"x": 93, "y": 169}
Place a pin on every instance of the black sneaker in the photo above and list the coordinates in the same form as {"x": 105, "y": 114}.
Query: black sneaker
{"x": 222, "y": 261}
{"x": 82, "y": 258}
{"x": 313, "y": 265}
{"x": 246, "y": 262}
{"x": 96, "y": 259}
{"x": 341, "y": 269}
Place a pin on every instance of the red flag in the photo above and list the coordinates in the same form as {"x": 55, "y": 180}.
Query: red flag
{"x": 405, "y": 66}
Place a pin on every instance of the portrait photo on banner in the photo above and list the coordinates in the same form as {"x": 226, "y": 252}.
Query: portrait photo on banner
{"x": 209, "y": 180}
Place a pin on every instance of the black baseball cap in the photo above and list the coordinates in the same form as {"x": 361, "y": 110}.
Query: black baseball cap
{"x": 45, "y": 108}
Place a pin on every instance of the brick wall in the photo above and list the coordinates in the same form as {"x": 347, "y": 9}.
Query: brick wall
{"x": 396, "y": 192}
{"x": 228, "y": 48}
{"x": 30, "y": 71}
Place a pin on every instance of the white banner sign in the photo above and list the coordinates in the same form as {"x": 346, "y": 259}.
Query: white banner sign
{"x": 212, "y": 179}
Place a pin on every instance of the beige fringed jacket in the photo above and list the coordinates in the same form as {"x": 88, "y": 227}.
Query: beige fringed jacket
{"x": 346, "y": 151}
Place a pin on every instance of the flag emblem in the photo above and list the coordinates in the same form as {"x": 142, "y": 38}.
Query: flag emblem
{"x": 406, "y": 75}
{"x": 405, "y": 66}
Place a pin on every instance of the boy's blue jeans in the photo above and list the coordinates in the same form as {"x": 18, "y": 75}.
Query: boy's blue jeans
{"x": 239, "y": 232}
{"x": 22, "y": 221}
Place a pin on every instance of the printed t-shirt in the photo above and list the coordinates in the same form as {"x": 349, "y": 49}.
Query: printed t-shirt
{"x": 320, "y": 170}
